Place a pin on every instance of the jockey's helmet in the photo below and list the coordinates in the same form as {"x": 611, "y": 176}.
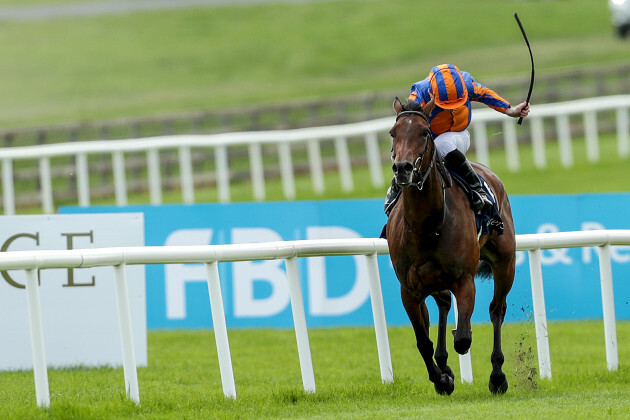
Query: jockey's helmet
{"x": 448, "y": 86}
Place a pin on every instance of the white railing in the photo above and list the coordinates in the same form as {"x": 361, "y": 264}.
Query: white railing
{"x": 312, "y": 138}
{"x": 211, "y": 255}
{"x": 560, "y": 112}
{"x": 602, "y": 239}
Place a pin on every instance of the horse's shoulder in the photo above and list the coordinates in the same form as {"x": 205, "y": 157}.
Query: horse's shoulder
{"x": 480, "y": 167}
{"x": 489, "y": 176}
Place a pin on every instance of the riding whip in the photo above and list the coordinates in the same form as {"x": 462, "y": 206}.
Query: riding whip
{"x": 531, "y": 56}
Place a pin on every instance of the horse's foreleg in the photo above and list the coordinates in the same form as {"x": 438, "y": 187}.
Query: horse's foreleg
{"x": 464, "y": 292}
{"x": 443, "y": 300}
{"x": 502, "y": 284}
{"x": 418, "y": 316}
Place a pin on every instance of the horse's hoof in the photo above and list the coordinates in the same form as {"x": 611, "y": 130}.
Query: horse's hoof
{"x": 445, "y": 386}
{"x": 499, "y": 389}
{"x": 447, "y": 370}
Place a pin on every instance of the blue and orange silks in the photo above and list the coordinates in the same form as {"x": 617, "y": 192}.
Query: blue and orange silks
{"x": 447, "y": 83}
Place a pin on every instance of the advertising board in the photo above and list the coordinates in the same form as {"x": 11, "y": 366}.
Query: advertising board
{"x": 335, "y": 288}
{"x": 79, "y": 315}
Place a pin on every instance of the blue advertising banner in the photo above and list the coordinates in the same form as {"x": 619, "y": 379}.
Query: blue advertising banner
{"x": 335, "y": 289}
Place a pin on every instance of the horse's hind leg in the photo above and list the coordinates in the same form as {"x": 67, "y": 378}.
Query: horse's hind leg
{"x": 443, "y": 300}
{"x": 419, "y": 317}
{"x": 503, "y": 279}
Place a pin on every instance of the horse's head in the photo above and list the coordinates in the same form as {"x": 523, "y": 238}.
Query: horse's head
{"x": 411, "y": 137}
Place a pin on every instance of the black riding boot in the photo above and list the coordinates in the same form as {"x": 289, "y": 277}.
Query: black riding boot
{"x": 457, "y": 161}
{"x": 390, "y": 199}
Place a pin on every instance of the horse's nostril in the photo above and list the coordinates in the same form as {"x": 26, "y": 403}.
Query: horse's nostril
{"x": 402, "y": 168}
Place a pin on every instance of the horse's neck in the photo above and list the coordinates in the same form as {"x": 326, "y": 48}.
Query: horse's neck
{"x": 424, "y": 209}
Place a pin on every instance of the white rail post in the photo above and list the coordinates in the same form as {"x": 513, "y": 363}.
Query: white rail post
{"x": 299, "y": 322}
{"x": 343, "y": 164}
{"x": 155, "y": 179}
{"x": 540, "y": 314}
{"x": 538, "y": 143}
{"x": 286, "y": 170}
{"x": 511, "y": 146}
{"x": 590, "y": 131}
{"x": 374, "y": 159}
{"x": 481, "y": 143}
{"x": 42, "y": 393}
{"x": 186, "y": 175}
{"x": 623, "y": 144}
{"x": 380, "y": 323}
{"x": 8, "y": 195}
{"x": 608, "y": 306}
{"x": 220, "y": 330}
{"x": 223, "y": 174}
{"x": 126, "y": 334}
{"x": 46, "y": 185}
{"x": 120, "y": 180}
{"x": 465, "y": 360}
{"x": 257, "y": 171}
{"x": 83, "y": 180}
{"x": 315, "y": 164}
{"x": 564, "y": 140}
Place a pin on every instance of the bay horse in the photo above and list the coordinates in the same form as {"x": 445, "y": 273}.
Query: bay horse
{"x": 435, "y": 248}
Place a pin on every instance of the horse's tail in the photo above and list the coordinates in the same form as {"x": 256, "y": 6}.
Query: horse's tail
{"x": 484, "y": 271}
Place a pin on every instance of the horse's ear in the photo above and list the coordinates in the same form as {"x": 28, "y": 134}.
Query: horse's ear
{"x": 397, "y": 106}
{"x": 428, "y": 108}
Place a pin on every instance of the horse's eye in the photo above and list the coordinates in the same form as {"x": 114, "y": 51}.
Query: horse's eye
{"x": 391, "y": 134}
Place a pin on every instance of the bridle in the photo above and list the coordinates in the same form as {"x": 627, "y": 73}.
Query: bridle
{"x": 417, "y": 165}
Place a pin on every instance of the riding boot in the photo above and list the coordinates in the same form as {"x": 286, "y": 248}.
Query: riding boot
{"x": 392, "y": 194}
{"x": 457, "y": 161}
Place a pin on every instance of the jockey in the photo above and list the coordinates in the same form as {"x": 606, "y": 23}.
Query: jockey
{"x": 452, "y": 91}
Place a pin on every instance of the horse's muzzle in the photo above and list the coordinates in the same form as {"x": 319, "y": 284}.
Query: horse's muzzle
{"x": 403, "y": 173}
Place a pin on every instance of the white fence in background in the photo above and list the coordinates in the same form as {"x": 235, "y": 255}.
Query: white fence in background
{"x": 311, "y": 137}
{"x": 211, "y": 255}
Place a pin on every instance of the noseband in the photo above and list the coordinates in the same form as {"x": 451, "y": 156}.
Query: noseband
{"x": 417, "y": 165}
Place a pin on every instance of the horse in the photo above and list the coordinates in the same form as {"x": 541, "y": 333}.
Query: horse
{"x": 436, "y": 250}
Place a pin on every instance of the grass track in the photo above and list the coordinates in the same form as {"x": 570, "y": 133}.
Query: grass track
{"x": 182, "y": 379}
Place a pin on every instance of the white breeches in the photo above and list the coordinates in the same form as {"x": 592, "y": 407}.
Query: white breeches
{"x": 451, "y": 140}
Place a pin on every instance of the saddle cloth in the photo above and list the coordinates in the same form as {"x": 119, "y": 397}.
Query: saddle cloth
{"x": 490, "y": 219}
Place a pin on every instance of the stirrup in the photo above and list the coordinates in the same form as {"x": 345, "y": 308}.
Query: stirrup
{"x": 481, "y": 201}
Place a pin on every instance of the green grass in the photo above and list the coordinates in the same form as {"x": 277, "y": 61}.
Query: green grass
{"x": 182, "y": 379}
{"x": 164, "y": 61}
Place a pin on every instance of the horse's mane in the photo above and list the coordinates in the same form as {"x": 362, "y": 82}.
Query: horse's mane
{"x": 412, "y": 106}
